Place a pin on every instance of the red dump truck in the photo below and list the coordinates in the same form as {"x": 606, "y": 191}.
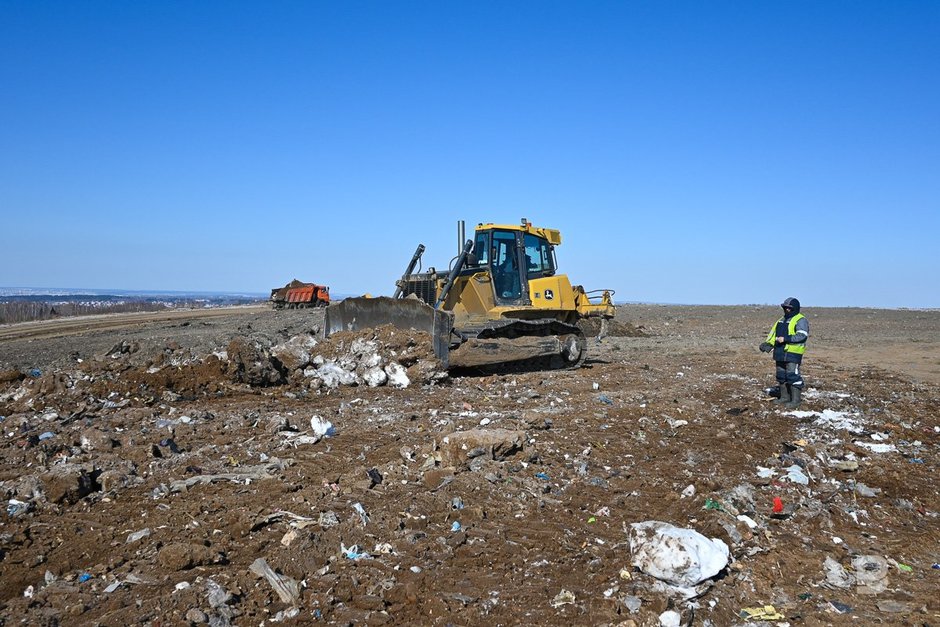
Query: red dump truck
{"x": 297, "y": 294}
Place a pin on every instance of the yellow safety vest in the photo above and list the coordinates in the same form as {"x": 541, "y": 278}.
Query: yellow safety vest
{"x": 797, "y": 349}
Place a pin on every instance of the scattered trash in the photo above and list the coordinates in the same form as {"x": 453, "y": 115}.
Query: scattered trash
{"x": 565, "y": 597}
{"x": 604, "y": 399}
{"x": 16, "y": 507}
{"x": 83, "y": 577}
{"x": 353, "y": 552}
{"x": 713, "y": 504}
{"x": 904, "y": 568}
{"x": 455, "y": 526}
{"x": 836, "y": 575}
{"x": 841, "y": 608}
{"x": 871, "y": 574}
{"x": 46, "y": 436}
{"x": 681, "y": 557}
{"x": 893, "y": 607}
{"x": 542, "y": 476}
{"x": 138, "y": 535}
{"x": 363, "y": 517}
{"x": 35, "y": 372}
{"x": 670, "y": 618}
{"x": 795, "y": 474}
{"x": 632, "y": 603}
{"x": 286, "y": 588}
{"x": 766, "y": 612}
{"x": 747, "y": 520}
{"x": 321, "y": 427}
{"x": 112, "y": 587}
{"x": 864, "y": 490}
{"x": 456, "y": 503}
{"x": 689, "y": 491}
{"x": 170, "y": 444}
{"x": 375, "y": 477}
{"x": 916, "y": 460}
{"x": 778, "y": 505}
{"x": 877, "y": 448}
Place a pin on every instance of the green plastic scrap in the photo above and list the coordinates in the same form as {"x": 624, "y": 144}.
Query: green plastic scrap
{"x": 905, "y": 568}
{"x": 713, "y": 504}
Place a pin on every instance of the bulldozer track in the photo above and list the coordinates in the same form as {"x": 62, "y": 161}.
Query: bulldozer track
{"x": 84, "y": 324}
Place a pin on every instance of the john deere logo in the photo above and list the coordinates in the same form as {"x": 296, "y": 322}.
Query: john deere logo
{"x": 549, "y": 294}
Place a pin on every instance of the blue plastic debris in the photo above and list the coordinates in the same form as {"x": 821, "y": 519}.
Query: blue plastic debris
{"x": 605, "y": 399}
{"x": 83, "y": 577}
{"x": 15, "y": 507}
{"x": 353, "y": 553}
{"x": 456, "y": 503}
{"x": 936, "y": 566}
{"x": 46, "y": 435}
{"x": 35, "y": 372}
{"x": 916, "y": 460}
{"x": 455, "y": 526}
{"x": 542, "y": 475}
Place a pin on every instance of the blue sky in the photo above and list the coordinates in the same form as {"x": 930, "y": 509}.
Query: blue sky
{"x": 694, "y": 152}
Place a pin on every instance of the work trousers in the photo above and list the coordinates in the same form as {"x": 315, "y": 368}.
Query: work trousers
{"x": 789, "y": 372}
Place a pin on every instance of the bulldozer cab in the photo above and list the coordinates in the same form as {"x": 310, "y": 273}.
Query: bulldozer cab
{"x": 513, "y": 257}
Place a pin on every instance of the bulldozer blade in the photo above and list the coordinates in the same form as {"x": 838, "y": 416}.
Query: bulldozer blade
{"x": 355, "y": 314}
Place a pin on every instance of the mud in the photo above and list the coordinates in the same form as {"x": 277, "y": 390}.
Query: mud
{"x": 145, "y": 471}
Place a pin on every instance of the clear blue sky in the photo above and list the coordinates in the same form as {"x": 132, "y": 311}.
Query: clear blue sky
{"x": 697, "y": 152}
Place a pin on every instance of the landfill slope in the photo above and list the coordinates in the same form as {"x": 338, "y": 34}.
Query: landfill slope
{"x": 241, "y": 469}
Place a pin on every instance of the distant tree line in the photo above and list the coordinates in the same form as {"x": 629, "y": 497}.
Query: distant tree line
{"x": 27, "y": 310}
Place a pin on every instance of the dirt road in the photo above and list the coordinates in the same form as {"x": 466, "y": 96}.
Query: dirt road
{"x": 144, "y": 482}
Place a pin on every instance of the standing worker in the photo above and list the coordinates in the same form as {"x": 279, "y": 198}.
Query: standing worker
{"x": 787, "y": 340}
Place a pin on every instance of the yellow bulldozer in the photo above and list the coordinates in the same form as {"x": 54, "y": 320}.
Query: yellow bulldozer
{"x": 500, "y": 306}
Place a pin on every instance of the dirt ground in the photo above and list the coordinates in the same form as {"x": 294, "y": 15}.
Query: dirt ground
{"x": 182, "y": 471}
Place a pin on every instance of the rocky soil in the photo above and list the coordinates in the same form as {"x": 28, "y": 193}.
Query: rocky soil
{"x": 243, "y": 470}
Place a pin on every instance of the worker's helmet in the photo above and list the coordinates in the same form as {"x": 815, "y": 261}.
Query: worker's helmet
{"x": 791, "y": 303}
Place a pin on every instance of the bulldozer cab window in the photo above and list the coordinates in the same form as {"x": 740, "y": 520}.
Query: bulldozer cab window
{"x": 538, "y": 255}
{"x": 506, "y": 275}
{"x": 481, "y": 249}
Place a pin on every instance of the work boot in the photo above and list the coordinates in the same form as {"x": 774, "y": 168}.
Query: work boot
{"x": 784, "y": 394}
{"x": 795, "y": 399}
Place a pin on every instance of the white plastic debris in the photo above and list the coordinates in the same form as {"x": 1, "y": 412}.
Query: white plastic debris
{"x": 397, "y": 377}
{"x": 363, "y": 516}
{"x": 333, "y": 376}
{"x": 681, "y": 557}
{"x": 565, "y": 597}
{"x": 795, "y": 474}
{"x": 836, "y": 575}
{"x": 877, "y": 448}
{"x": 670, "y": 618}
{"x": 321, "y": 427}
{"x": 747, "y": 520}
{"x": 689, "y": 491}
{"x": 138, "y": 535}
{"x": 374, "y": 377}
{"x": 871, "y": 573}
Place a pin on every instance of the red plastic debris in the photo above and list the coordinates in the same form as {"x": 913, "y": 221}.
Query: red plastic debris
{"x": 778, "y": 505}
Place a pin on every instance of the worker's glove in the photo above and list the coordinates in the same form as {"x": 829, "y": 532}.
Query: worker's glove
{"x": 766, "y": 347}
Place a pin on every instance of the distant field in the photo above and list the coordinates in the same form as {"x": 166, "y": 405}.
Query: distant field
{"x": 30, "y": 307}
